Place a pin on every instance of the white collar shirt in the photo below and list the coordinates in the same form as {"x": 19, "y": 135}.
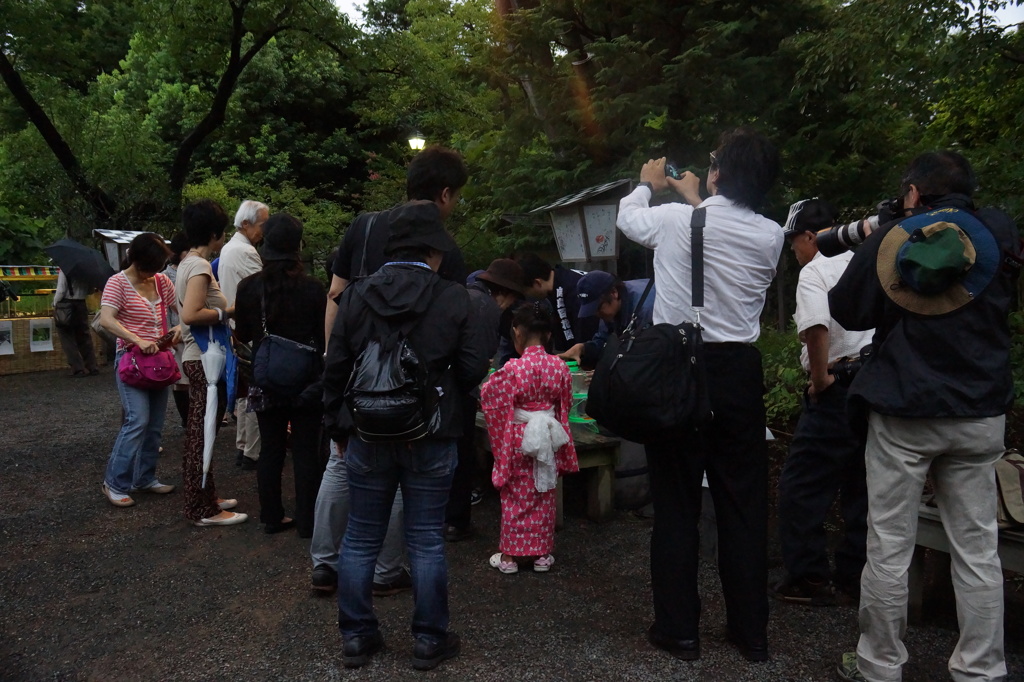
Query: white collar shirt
{"x": 816, "y": 279}
{"x": 741, "y": 254}
{"x": 238, "y": 260}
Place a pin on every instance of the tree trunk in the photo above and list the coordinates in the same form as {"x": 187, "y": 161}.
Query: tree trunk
{"x": 102, "y": 205}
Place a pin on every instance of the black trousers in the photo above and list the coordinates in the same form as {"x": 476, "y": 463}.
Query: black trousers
{"x": 460, "y": 508}
{"x": 75, "y": 339}
{"x": 732, "y": 450}
{"x": 825, "y": 459}
{"x": 308, "y": 464}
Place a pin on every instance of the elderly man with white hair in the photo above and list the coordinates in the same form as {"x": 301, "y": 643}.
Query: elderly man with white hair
{"x": 238, "y": 260}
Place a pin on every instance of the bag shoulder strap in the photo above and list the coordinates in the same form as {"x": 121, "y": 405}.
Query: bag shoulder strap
{"x": 697, "y": 222}
{"x": 366, "y": 241}
{"x": 160, "y": 296}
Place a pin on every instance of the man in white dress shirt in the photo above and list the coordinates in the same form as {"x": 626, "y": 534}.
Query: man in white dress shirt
{"x": 238, "y": 260}
{"x": 825, "y": 457}
{"x": 741, "y": 252}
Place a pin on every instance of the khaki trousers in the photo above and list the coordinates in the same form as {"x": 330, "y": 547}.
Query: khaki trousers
{"x": 960, "y": 452}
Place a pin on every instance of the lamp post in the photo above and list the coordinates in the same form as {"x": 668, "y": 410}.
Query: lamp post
{"x": 417, "y": 141}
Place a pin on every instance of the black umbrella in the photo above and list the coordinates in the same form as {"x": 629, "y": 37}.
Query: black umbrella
{"x": 80, "y": 263}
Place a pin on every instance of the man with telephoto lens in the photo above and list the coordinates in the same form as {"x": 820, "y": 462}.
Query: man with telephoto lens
{"x": 741, "y": 252}
{"x": 825, "y": 457}
{"x": 937, "y": 286}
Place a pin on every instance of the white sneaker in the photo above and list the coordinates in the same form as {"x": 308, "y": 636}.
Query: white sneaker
{"x": 117, "y": 499}
{"x": 229, "y": 521}
{"x": 155, "y": 487}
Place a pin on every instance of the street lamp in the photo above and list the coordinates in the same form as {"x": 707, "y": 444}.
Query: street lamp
{"x": 416, "y": 141}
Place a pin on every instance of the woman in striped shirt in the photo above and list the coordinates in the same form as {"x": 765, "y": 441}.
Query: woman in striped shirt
{"x": 135, "y": 307}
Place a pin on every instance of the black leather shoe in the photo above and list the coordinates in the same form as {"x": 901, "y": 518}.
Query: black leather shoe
{"x": 683, "y": 649}
{"x": 248, "y": 464}
{"x": 427, "y": 655}
{"x": 456, "y": 534}
{"x": 756, "y": 653}
{"x": 358, "y": 650}
{"x": 324, "y": 578}
{"x": 271, "y": 528}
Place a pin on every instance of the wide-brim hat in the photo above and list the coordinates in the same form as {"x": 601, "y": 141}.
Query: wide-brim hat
{"x": 504, "y": 272}
{"x": 937, "y": 262}
{"x": 418, "y": 223}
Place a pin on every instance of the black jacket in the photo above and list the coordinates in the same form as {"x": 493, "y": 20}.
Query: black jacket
{"x": 954, "y": 365}
{"x": 444, "y": 338}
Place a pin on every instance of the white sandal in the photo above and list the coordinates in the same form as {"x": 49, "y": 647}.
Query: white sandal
{"x": 544, "y": 563}
{"x": 503, "y": 566}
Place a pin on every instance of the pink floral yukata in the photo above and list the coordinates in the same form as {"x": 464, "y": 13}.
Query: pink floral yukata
{"x": 535, "y": 382}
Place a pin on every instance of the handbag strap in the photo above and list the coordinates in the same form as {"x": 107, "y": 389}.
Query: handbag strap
{"x": 163, "y": 306}
{"x": 697, "y": 222}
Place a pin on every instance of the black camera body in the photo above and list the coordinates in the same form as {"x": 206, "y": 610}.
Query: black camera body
{"x": 835, "y": 240}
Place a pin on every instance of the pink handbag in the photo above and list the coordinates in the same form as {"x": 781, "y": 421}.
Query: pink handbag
{"x": 149, "y": 372}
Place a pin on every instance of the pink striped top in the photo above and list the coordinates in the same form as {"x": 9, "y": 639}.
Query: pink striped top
{"x": 140, "y": 316}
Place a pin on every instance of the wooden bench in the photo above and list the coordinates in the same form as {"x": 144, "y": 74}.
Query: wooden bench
{"x": 931, "y": 535}
{"x": 593, "y": 451}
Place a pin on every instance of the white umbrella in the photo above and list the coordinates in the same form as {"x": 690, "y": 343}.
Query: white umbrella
{"x": 214, "y": 358}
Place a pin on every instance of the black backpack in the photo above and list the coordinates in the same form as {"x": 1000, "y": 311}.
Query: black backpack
{"x": 389, "y": 393}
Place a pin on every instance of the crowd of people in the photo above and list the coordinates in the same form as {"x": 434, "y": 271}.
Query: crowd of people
{"x": 905, "y": 344}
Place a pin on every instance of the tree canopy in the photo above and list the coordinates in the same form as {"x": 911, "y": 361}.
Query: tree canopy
{"x": 114, "y": 112}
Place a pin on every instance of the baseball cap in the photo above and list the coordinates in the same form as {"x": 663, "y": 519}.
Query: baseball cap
{"x": 591, "y": 287}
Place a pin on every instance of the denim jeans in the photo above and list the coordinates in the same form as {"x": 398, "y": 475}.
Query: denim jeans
{"x": 132, "y": 462}
{"x": 331, "y": 519}
{"x": 424, "y": 471}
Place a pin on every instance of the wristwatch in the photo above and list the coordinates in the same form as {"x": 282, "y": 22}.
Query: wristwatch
{"x": 647, "y": 185}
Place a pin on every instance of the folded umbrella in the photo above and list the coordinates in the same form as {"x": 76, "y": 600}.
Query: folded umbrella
{"x": 80, "y": 263}
{"x": 218, "y": 361}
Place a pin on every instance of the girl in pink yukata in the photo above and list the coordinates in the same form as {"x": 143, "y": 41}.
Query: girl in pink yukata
{"x": 526, "y": 404}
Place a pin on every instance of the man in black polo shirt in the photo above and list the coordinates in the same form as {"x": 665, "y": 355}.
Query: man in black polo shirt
{"x": 435, "y": 174}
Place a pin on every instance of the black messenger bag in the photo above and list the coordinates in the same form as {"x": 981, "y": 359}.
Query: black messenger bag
{"x": 650, "y": 382}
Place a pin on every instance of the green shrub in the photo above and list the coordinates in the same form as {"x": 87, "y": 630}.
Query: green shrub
{"x": 784, "y": 378}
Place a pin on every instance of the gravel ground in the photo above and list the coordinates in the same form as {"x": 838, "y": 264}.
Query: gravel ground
{"x": 88, "y": 591}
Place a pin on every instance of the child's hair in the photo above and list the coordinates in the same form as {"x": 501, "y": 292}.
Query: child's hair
{"x": 534, "y": 319}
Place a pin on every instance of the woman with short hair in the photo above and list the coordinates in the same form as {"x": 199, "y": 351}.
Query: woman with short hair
{"x": 135, "y": 308}
{"x": 201, "y": 302}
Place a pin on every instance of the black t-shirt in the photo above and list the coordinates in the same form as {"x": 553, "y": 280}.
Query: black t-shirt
{"x": 362, "y": 251}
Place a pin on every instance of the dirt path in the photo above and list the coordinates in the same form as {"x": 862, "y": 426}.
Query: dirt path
{"x": 91, "y": 592}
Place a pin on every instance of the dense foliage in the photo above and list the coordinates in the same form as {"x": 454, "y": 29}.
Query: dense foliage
{"x": 116, "y": 111}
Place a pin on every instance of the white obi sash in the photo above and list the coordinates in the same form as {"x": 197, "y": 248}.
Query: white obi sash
{"x": 542, "y": 437}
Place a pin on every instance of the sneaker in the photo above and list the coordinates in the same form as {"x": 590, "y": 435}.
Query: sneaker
{"x": 117, "y": 499}
{"x": 155, "y": 487}
{"x": 401, "y": 583}
{"x": 847, "y": 668}
{"x": 427, "y": 655}
{"x": 507, "y": 567}
{"x": 324, "y": 578}
{"x": 476, "y": 496}
{"x": 544, "y": 563}
{"x": 805, "y": 591}
{"x": 357, "y": 651}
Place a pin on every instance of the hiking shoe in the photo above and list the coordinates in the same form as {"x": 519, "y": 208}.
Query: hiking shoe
{"x": 155, "y": 487}
{"x": 805, "y": 591}
{"x": 401, "y": 583}
{"x": 356, "y": 651}
{"x": 847, "y": 668}
{"x": 324, "y": 578}
{"x": 427, "y": 655}
{"x": 117, "y": 499}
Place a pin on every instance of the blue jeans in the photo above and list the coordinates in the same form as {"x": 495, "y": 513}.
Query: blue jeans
{"x": 424, "y": 470}
{"x": 132, "y": 462}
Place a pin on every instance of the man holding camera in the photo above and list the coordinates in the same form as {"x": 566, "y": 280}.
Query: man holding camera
{"x": 937, "y": 285}
{"x": 825, "y": 457}
{"x": 741, "y": 251}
